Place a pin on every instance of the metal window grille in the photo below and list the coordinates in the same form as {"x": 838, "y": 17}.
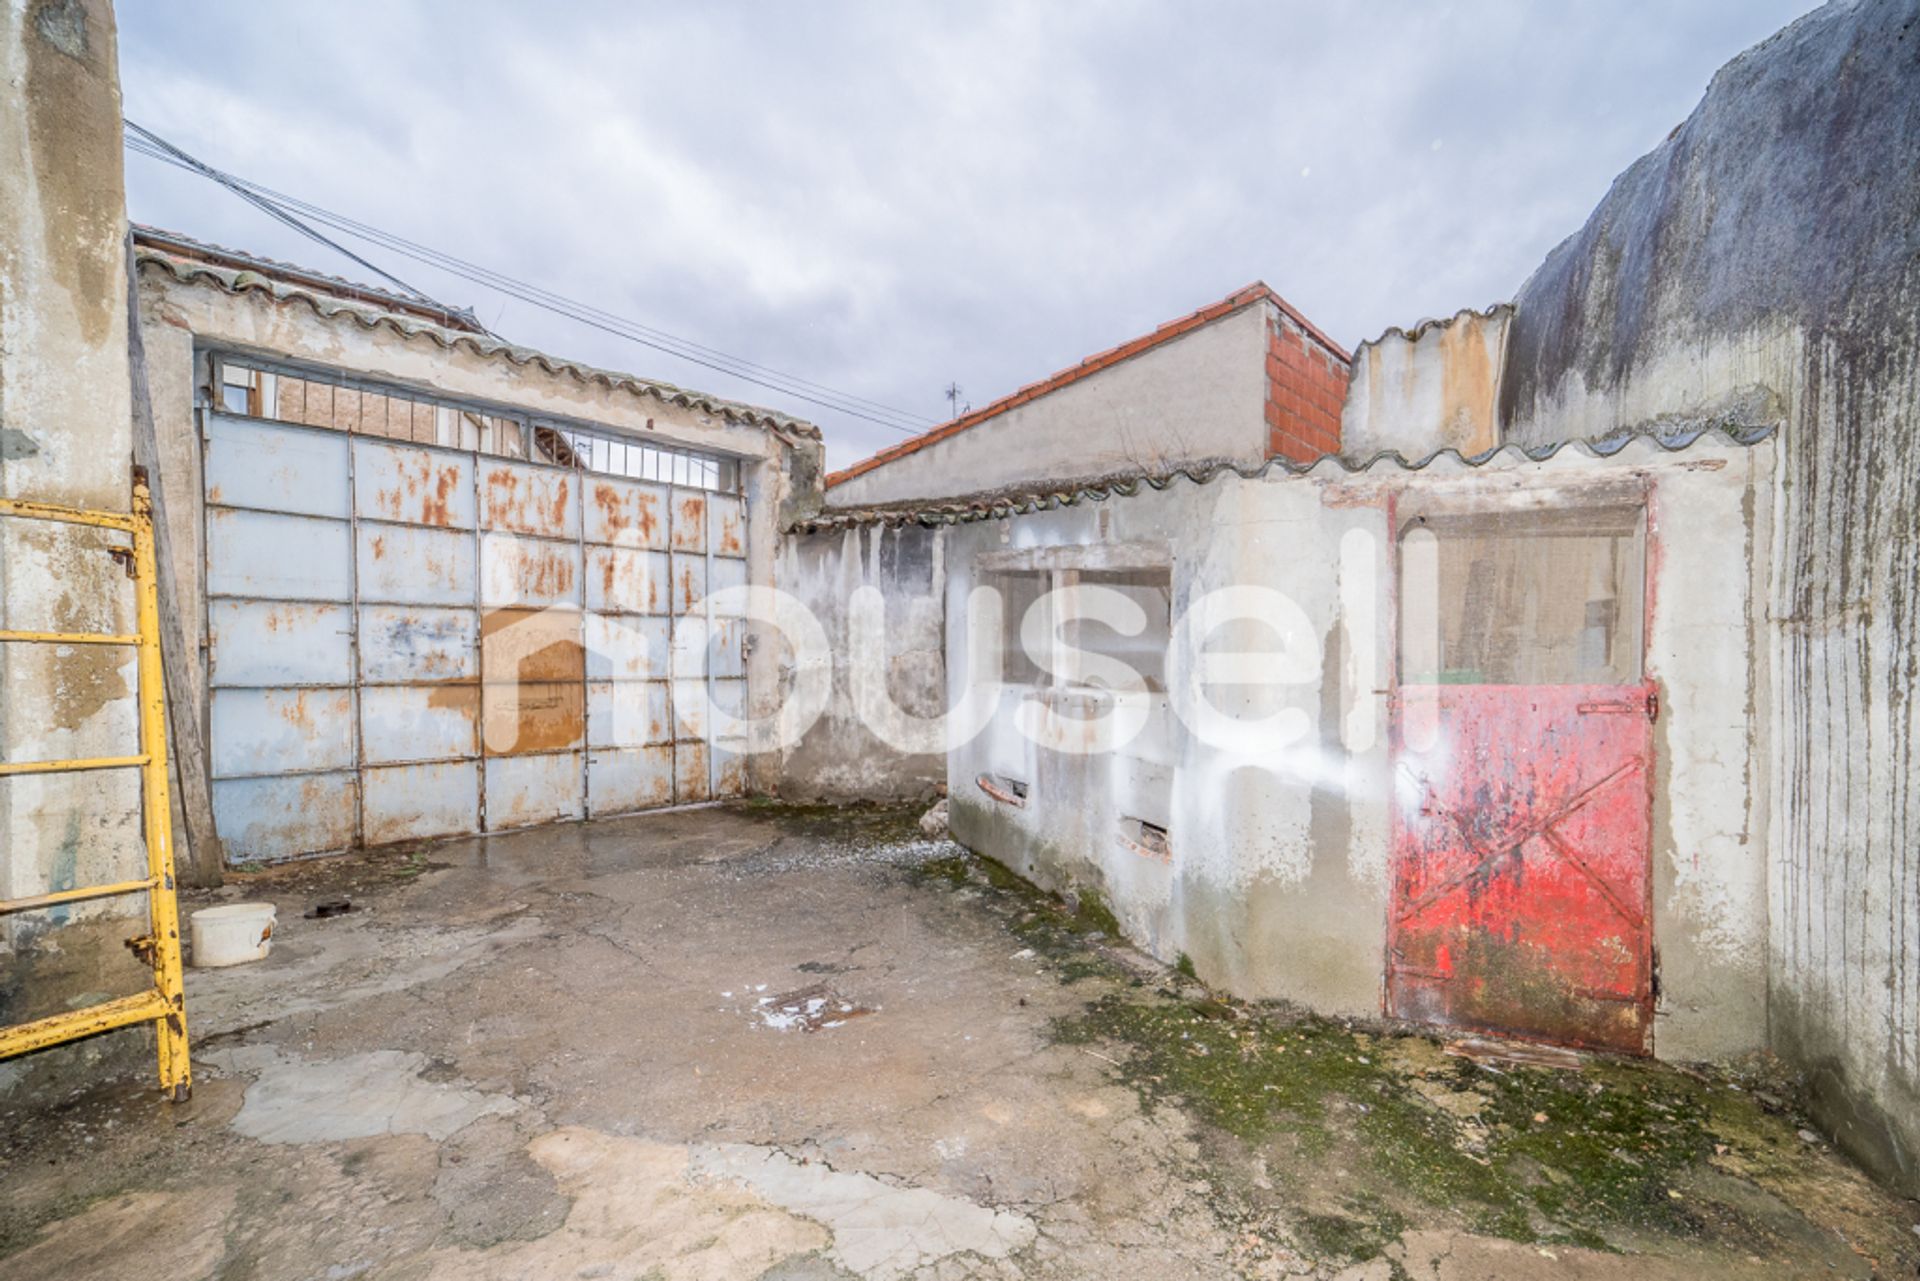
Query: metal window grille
{"x": 326, "y": 399}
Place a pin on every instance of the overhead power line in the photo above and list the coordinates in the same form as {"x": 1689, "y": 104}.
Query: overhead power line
{"x": 296, "y": 213}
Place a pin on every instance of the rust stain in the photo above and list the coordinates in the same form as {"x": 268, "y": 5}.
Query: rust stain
{"x": 533, "y": 717}
{"x": 1468, "y": 385}
{"x": 537, "y": 506}
{"x": 613, "y": 511}
{"x": 733, "y": 776}
{"x": 690, "y": 523}
{"x": 690, "y": 773}
{"x": 531, "y": 645}
{"x": 542, "y": 573}
{"x": 423, "y": 490}
{"x": 456, "y": 696}
{"x": 731, "y": 542}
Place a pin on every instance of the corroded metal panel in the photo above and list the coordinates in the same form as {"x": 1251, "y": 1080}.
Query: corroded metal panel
{"x": 541, "y": 501}
{"x": 727, "y": 525}
{"x": 413, "y": 802}
{"x": 279, "y": 643}
{"x": 688, "y": 527}
{"x": 531, "y": 645}
{"x": 283, "y": 557}
{"x": 620, "y": 782}
{"x": 729, "y": 773}
{"x": 689, "y": 710}
{"x": 729, "y": 697}
{"x": 691, "y": 640}
{"x": 412, "y": 486}
{"x": 627, "y": 714}
{"x": 524, "y": 790}
{"x": 279, "y": 469}
{"x": 274, "y": 731}
{"x": 721, "y": 575}
{"x": 726, "y": 656}
{"x": 528, "y": 571}
{"x": 517, "y": 719}
{"x": 626, "y": 648}
{"x": 269, "y": 818}
{"x": 411, "y": 643}
{"x": 691, "y": 782}
{"x": 689, "y": 582}
{"x": 1522, "y": 856}
{"x": 415, "y": 566}
{"x": 418, "y": 722}
{"x": 624, "y": 581}
{"x": 625, "y": 513}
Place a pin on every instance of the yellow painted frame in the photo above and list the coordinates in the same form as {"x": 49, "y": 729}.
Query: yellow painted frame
{"x": 165, "y": 1003}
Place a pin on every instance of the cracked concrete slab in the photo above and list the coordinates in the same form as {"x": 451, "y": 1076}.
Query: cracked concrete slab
{"x": 880, "y": 1231}
{"x": 354, "y": 1097}
{"x": 537, "y": 1055}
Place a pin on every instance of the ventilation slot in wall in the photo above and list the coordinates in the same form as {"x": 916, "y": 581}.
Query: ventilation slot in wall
{"x": 1149, "y": 840}
{"x": 1008, "y": 791}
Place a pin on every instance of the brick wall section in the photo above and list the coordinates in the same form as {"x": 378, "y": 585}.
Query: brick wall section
{"x": 1306, "y": 387}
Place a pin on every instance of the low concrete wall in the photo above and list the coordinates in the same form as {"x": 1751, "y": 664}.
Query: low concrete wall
{"x": 1279, "y": 876}
{"x": 841, "y": 758}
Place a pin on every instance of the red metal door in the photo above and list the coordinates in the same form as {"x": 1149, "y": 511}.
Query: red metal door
{"x": 1521, "y": 898}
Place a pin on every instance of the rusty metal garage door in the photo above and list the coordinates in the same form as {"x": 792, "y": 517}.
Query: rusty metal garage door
{"x": 410, "y": 641}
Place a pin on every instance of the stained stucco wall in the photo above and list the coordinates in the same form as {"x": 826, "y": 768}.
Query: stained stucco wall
{"x": 1279, "y": 875}
{"x": 1198, "y": 397}
{"x": 65, "y": 438}
{"x": 841, "y": 756}
{"x": 1763, "y": 263}
{"x": 1434, "y": 388}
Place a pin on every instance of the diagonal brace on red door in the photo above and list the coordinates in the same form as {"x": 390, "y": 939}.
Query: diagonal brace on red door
{"x": 1542, "y": 828}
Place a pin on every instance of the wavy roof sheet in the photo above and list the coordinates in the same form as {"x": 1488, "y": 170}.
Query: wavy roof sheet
{"x": 999, "y": 507}
{"x": 374, "y": 309}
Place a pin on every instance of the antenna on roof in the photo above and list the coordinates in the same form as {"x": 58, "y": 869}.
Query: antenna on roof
{"x": 952, "y": 393}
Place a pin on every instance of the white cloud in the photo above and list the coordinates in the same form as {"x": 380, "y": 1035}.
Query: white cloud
{"x": 884, "y": 198}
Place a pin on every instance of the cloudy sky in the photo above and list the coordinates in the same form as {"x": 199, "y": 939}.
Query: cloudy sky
{"x": 885, "y": 198}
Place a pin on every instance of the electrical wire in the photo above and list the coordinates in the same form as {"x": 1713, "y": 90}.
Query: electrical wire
{"x": 294, "y": 212}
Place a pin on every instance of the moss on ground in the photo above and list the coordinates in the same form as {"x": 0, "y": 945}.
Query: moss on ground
{"x": 1365, "y": 1133}
{"x": 1527, "y": 1154}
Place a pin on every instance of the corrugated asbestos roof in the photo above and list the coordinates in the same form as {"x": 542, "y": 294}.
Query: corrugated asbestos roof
{"x": 1259, "y": 291}
{"x": 999, "y": 507}
{"x": 369, "y": 308}
{"x": 172, "y": 242}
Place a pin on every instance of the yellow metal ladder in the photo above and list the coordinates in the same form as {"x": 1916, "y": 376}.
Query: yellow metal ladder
{"x": 164, "y": 1004}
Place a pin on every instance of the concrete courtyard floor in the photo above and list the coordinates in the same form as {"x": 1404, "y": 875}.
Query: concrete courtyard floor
{"x": 797, "y": 1045}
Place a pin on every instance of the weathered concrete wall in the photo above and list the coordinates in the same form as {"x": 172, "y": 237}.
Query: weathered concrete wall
{"x": 841, "y": 758}
{"x": 184, "y": 314}
{"x": 1279, "y": 875}
{"x": 65, "y": 437}
{"x": 1198, "y": 397}
{"x": 1763, "y": 263}
{"x": 1434, "y": 388}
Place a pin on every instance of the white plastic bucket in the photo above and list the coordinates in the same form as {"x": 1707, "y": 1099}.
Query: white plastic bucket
{"x": 232, "y": 935}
